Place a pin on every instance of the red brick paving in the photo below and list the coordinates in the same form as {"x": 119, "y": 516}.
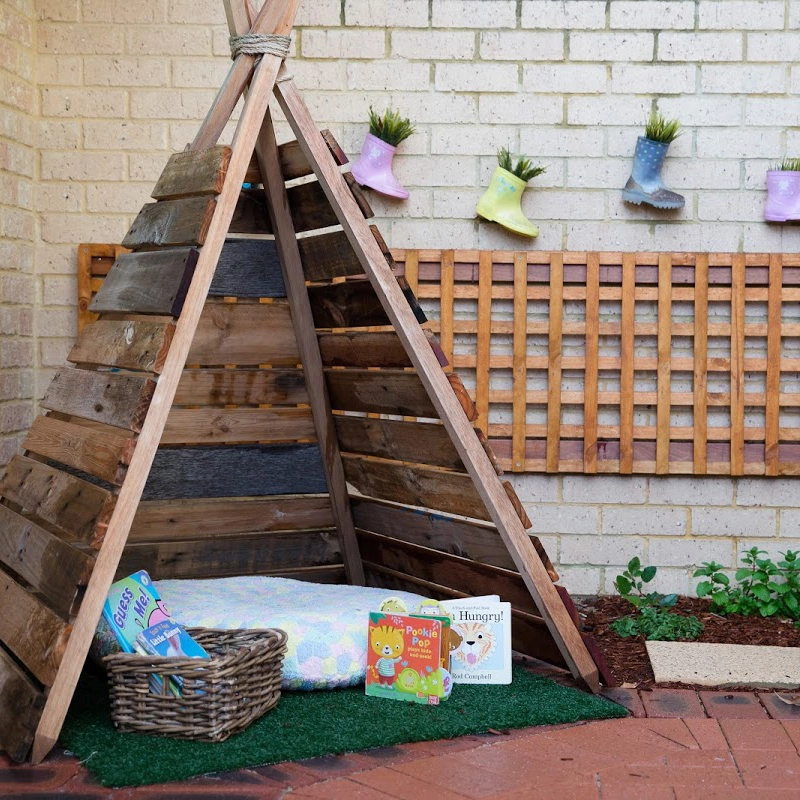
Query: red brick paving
{"x": 677, "y": 744}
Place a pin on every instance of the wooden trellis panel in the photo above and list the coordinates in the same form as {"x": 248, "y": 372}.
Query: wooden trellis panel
{"x": 671, "y": 363}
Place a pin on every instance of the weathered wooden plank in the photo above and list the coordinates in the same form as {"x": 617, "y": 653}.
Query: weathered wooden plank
{"x": 483, "y": 344}
{"x": 173, "y": 520}
{"x": 737, "y": 363}
{"x": 241, "y": 387}
{"x": 21, "y": 704}
{"x": 100, "y": 453}
{"x": 248, "y": 268}
{"x": 352, "y": 304}
{"x": 127, "y": 344}
{"x": 626, "y": 347}
{"x": 32, "y": 630}
{"x": 235, "y": 471}
{"x": 664, "y": 379}
{"x": 78, "y": 508}
{"x": 108, "y": 397}
{"x": 773, "y": 378}
{"x": 222, "y": 425}
{"x": 171, "y": 223}
{"x": 236, "y": 333}
{"x": 363, "y": 349}
{"x": 383, "y": 392}
{"x": 554, "y": 347}
{"x": 519, "y": 352}
{"x": 294, "y": 163}
{"x": 52, "y": 567}
{"x": 330, "y": 255}
{"x": 192, "y": 173}
{"x": 419, "y": 442}
{"x": 700, "y": 389}
{"x": 591, "y": 345}
{"x": 225, "y": 556}
{"x": 153, "y": 282}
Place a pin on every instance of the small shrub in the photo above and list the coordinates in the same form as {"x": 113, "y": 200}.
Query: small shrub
{"x": 662, "y": 130}
{"x": 787, "y": 165}
{"x": 523, "y": 169}
{"x": 390, "y": 127}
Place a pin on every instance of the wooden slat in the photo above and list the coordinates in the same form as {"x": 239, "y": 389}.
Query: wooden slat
{"x": 235, "y": 471}
{"x": 84, "y": 286}
{"x": 352, "y": 304}
{"x": 519, "y": 405}
{"x": 627, "y": 356}
{"x": 591, "y": 346}
{"x": 192, "y": 173}
{"x": 77, "y": 507}
{"x": 174, "y": 520}
{"x": 363, "y": 349}
{"x": 482, "y": 344}
{"x": 419, "y": 442}
{"x": 221, "y": 557}
{"x": 328, "y": 256}
{"x": 126, "y": 344}
{"x": 241, "y": 386}
{"x": 171, "y": 223}
{"x": 108, "y": 397}
{"x": 50, "y": 566}
{"x": 700, "y": 389}
{"x": 102, "y": 454}
{"x": 32, "y": 630}
{"x": 222, "y": 425}
{"x": 737, "y": 364}
{"x": 21, "y": 704}
{"x": 384, "y": 392}
{"x": 773, "y": 379}
{"x": 248, "y": 268}
{"x": 294, "y": 163}
{"x": 554, "y": 365}
{"x": 446, "y": 304}
{"x": 236, "y": 333}
{"x": 411, "y": 269}
{"x": 663, "y": 408}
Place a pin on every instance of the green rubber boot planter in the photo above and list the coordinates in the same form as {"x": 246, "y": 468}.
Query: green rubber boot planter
{"x": 501, "y": 203}
{"x": 644, "y": 184}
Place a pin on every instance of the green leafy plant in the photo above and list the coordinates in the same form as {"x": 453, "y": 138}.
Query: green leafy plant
{"x": 390, "y": 127}
{"x": 762, "y": 586}
{"x": 787, "y": 165}
{"x": 523, "y": 169}
{"x": 662, "y": 130}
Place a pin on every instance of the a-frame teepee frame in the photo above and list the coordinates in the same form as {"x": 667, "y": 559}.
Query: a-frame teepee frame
{"x": 64, "y": 528}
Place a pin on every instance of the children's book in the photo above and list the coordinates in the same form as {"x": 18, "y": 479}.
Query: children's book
{"x": 132, "y": 605}
{"x": 168, "y": 638}
{"x": 405, "y": 658}
{"x": 483, "y": 654}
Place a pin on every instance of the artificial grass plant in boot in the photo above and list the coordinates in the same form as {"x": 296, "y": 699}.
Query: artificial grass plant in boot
{"x": 501, "y": 202}
{"x": 783, "y": 192}
{"x": 645, "y": 184}
{"x": 374, "y": 166}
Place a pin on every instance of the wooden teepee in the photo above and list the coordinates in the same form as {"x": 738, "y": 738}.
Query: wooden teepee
{"x": 120, "y": 447}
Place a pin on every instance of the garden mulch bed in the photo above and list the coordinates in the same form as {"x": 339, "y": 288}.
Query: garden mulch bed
{"x": 627, "y": 658}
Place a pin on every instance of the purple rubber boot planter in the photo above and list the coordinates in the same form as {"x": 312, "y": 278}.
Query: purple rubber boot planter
{"x": 783, "y": 196}
{"x": 374, "y": 168}
{"x": 644, "y": 184}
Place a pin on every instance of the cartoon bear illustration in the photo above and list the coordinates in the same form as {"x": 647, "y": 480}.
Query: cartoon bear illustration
{"x": 388, "y": 644}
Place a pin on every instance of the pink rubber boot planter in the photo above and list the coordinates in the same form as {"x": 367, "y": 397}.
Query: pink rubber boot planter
{"x": 374, "y": 168}
{"x": 783, "y": 196}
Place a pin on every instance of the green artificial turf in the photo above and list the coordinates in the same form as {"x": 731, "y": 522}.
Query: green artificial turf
{"x": 309, "y": 724}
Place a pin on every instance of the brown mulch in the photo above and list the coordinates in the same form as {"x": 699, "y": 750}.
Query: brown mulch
{"x": 627, "y": 658}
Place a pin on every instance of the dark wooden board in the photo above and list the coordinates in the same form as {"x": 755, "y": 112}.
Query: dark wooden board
{"x": 52, "y": 567}
{"x": 217, "y": 425}
{"x": 244, "y": 333}
{"x": 363, "y": 349}
{"x": 235, "y": 471}
{"x": 171, "y": 520}
{"x": 102, "y": 454}
{"x": 108, "y": 397}
{"x": 293, "y": 161}
{"x": 421, "y": 442}
{"x": 192, "y": 173}
{"x": 171, "y": 223}
{"x": 241, "y": 387}
{"x": 352, "y": 304}
{"x": 77, "y": 507}
{"x": 329, "y": 255}
{"x": 33, "y": 632}
{"x": 412, "y": 301}
{"x": 153, "y": 282}
{"x": 248, "y": 268}
{"x": 21, "y": 704}
{"x": 246, "y": 554}
{"x": 127, "y": 344}
{"x": 382, "y": 392}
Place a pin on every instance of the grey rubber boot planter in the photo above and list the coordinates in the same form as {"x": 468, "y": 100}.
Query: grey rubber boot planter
{"x": 644, "y": 184}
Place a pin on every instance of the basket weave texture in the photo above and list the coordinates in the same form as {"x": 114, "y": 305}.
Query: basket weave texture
{"x": 221, "y": 696}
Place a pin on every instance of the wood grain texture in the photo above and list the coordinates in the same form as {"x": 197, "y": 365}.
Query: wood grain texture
{"x": 294, "y": 163}
{"x": 330, "y": 255}
{"x": 664, "y": 406}
{"x": 519, "y": 403}
{"x": 352, "y": 304}
{"x": 21, "y": 704}
{"x": 554, "y": 362}
{"x": 127, "y": 344}
{"x": 591, "y": 347}
{"x": 737, "y": 364}
{"x": 235, "y": 471}
{"x": 700, "y": 389}
{"x": 363, "y": 349}
{"x": 78, "y": 508}
{"x": 108, "y": 397}
{"x": 171, "y": 223}
{"x": 484, "y": 338}
{"x": 174, "y": 520}
{"x": 193, "y": 173}
{"x": 241, "y": 386}
{"x": 626, "y": 347}
{"x": 384, "y": 392}
{"x": 773, "y": 378}
{"x": 248, "y": 268}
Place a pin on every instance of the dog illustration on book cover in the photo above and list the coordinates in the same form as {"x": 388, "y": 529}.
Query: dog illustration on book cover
{"x": 478, "y": 643}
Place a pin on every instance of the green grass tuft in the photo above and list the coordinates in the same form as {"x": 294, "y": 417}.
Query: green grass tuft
{"x": 523, "y": 169}
{"x": 659, "y": 129}
{"x": 787, "y": 165}
{"x": 390, "y": 127}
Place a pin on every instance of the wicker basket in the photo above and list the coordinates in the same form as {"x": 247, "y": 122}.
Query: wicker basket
{"x": 221, "y": 695}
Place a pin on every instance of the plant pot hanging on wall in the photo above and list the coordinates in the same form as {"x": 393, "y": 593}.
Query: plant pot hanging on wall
{"x": 501, "y": 202}
{"x": 645, "y": 184}
{"x": 783, "y": 192}
{"x": 374, "y": 166}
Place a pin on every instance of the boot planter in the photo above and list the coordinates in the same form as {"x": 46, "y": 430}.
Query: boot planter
{"x": 501, "y": 203}
{"x": 783, "y": 196}
{"x": 645, "y": 184}
{"x": 374, "y": 168}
